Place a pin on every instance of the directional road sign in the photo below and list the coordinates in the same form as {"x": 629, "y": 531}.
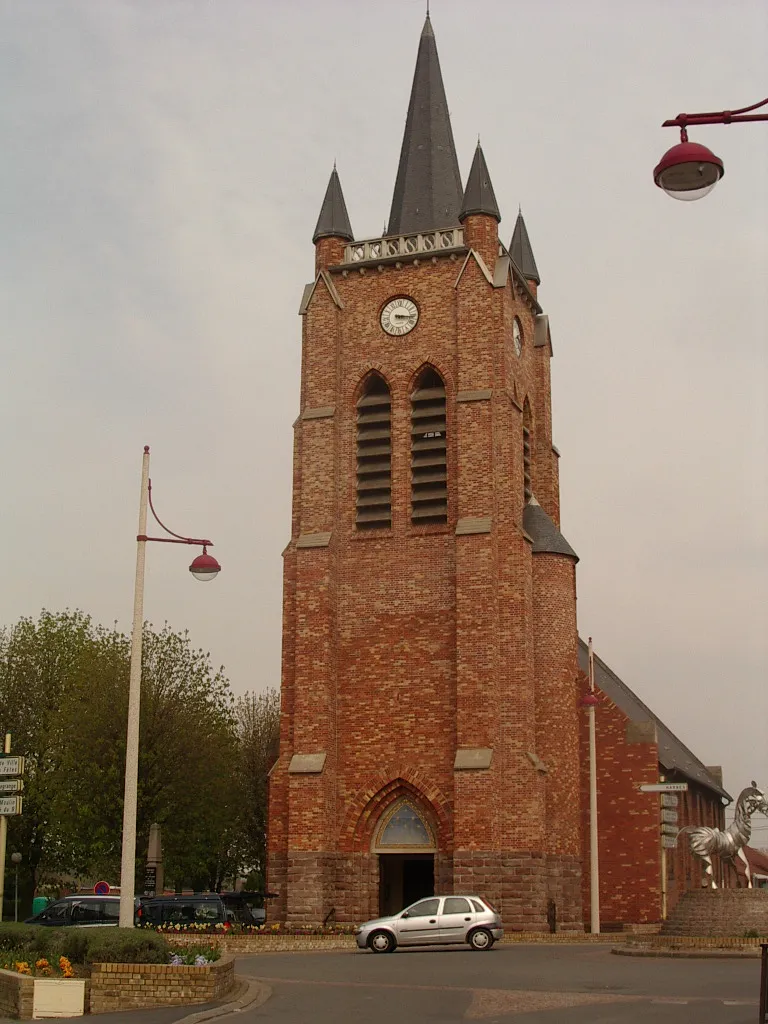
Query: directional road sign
{"x": 669, "y": 816}
{"x": 669, "y": 800}
{"x": 11, "y": 785}
{"x": 669, "y": 830}
{"x": 669, "y": 842}
{"x": 11, "y": 765}
{"x": 664, "y": 787}
{"x": 10, "y": 804}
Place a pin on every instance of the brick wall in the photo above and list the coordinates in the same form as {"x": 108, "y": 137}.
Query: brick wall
{"x": 137, "y": 986}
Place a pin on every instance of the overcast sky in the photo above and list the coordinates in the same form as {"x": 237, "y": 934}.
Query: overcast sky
{"x": 163, "y": 166}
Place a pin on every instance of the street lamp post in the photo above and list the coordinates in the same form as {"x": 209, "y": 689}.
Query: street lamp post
{"x": 16, "y": 858}
{"x": 590, "y": 702}
{"x": 204, "y": 567}
{"x": 688, "y": 170}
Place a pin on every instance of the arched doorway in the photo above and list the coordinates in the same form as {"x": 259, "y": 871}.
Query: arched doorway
{"x": 405, "y": 844}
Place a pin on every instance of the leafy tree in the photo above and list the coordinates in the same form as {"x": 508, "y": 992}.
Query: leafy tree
{"x": 64, "y": 695}
{"x": 258, "y": 732}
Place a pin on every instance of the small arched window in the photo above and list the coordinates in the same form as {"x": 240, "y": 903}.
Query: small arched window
{"x": 374, "y": 455}
{"x": 527, "y": 442}
{"x": 429, "y": 451}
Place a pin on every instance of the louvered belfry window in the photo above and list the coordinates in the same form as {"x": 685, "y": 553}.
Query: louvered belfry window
{"x": 374, "y": 456}
{"x": 429, "y": 465}
{"x": 527, "y": 440}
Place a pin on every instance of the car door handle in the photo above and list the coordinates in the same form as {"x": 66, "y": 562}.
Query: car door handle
{"x": 467, "y": 918}
{"x": 432, "y": 920}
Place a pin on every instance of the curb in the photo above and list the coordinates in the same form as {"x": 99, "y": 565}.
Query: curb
{"x": 250, "y": 994}
{"x": 689, "y": 954}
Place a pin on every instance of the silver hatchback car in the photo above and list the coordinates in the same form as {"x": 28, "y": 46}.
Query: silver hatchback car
{"x": 438, "y": 920}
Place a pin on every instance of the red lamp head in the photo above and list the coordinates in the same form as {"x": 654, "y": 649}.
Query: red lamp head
{"x": 589, "y": 700}
{"x": 205, "y": 567}
{"x": 688, "y": 170}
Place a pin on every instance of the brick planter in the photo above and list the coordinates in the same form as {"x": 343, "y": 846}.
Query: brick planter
{"x": 128, "y": 987}
{"x": 719, "y": 912}
{"x": 138, "y": 986}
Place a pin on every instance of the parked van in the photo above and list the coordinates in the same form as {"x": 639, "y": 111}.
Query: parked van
{"x": 196, "y": 908}
{"x": 82, "y": 911}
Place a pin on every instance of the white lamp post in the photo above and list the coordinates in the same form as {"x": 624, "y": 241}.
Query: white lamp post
{"x": 590, "y": 702}
{"x": 204, "y": 567}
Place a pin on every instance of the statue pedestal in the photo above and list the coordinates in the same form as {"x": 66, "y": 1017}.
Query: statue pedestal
{"x": 719, "y": 912}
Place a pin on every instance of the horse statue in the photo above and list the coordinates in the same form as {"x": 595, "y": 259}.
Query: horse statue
{"x": 729, "y": 843}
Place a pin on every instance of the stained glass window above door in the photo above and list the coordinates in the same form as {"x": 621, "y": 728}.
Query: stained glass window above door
{"x": 404, "y": 827}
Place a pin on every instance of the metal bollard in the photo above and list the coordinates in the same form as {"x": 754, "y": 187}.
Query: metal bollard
{"x": 763, "y": 1007}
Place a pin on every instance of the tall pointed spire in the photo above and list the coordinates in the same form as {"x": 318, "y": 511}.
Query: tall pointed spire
{"x": 479, "y": 196}
{"x": 333, "y": 221}
{"x": 521, "y": 251}
{"x": 428, "y": 186}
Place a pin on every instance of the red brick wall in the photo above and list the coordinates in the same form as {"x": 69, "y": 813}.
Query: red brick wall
{"x": 402, "y": 644}
{"x": 629, "y": 823}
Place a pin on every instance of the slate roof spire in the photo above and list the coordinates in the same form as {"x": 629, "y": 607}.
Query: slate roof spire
{"x": 333, "y": 221}
{"x": 428, "y": 189}
{"x": 478, "y": 195}
{"x": 521, "y": 251}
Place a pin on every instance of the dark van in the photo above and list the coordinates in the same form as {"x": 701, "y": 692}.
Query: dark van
{"x": 197, "y": 908}
{"x": 82, "y": 911}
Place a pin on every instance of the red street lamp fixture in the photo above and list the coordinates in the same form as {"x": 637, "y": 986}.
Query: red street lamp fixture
{"x": 689, "y": 170}
{"x": 204, "y": 567}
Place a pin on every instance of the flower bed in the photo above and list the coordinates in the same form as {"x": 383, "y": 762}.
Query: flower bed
{"x": 195, "y": 928}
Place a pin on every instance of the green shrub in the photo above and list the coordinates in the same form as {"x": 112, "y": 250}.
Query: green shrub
{"x": 28, "y": 938}
{"x": 124, "y": 946}
{"x": 73, "y": 943}
{"x": 84, "y": 945}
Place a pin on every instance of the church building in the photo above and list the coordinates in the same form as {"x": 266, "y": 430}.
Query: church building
{"x": 431, "y": 733}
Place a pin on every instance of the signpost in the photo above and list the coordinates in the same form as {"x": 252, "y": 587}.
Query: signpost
{"x": 664, "y": 787}
{"x": 11, "y": 785}
{"x": 11, "y": 765}
{"x": 668, "y": 801}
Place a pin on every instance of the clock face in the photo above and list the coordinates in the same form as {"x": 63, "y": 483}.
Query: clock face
{"x": 517, "y": 336}
{"x": 399, "y": 316}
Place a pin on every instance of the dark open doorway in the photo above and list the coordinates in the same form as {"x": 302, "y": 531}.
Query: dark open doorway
{"x": 403, "y": 879}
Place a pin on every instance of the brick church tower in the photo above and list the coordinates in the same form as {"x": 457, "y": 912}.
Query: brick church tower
{"x": 429, "y": 733}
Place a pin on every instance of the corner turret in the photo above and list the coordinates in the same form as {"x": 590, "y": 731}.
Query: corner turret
{"x": 521, "y": 251}
{"x": 333, "y": 229}
{"x": 480, "y": 212}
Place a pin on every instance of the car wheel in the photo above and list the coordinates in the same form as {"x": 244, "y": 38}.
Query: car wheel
{"x": 481, "y": 938}
{"x": 382, "y": 942}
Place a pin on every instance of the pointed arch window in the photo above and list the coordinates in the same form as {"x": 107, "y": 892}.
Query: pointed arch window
{"x": 527, "y": 442}
{"x": 429, "y": 451}
{"x": 403, "y": 828}
{"x": 374, "y": 455}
